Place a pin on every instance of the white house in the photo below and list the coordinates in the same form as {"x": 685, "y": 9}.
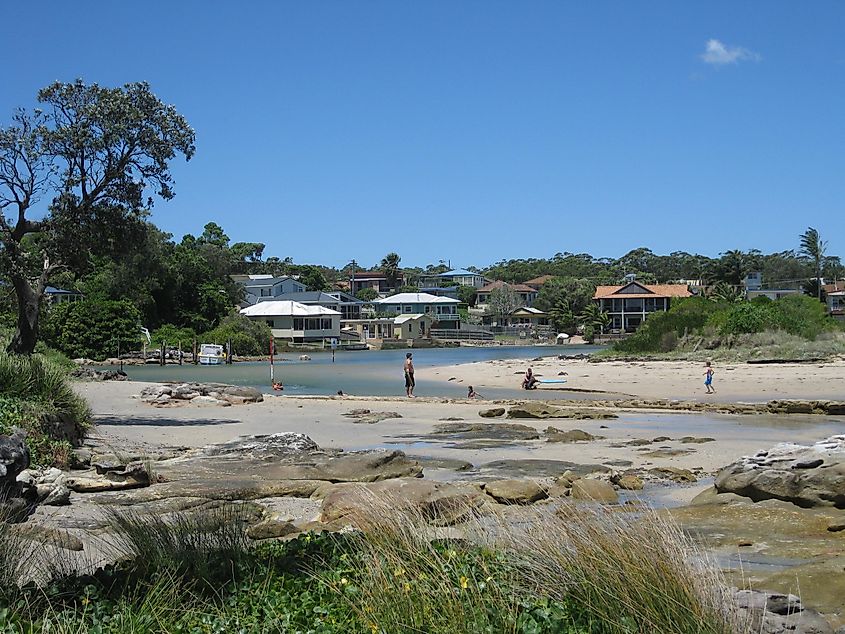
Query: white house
{"x": 348, "y": 306}
{"x": 462, "y": 277}
{"x": 296, "y": 322}
{"x": 444, "y": 310}
{"x": 628, "y": 305}
{"x": 261, "y": 288}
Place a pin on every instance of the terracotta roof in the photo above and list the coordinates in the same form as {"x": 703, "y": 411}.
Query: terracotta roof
{"x": 654, "y": 290}
{"x": 834, "y": 287}
{"x": 368, "y": 274}
{"x": 539, "y": 281}
{"x": 519, "y": 288}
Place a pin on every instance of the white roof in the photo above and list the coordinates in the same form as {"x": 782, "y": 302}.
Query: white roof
{"x": 416, "y": 298}
{"x": 530, "y": 309}
{"x": 401, "y": 319}
{"x": 286, "y": 308}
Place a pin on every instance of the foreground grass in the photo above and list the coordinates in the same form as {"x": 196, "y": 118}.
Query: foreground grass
{"x": 567, "y": 572}
{"x": 36, "y": 395}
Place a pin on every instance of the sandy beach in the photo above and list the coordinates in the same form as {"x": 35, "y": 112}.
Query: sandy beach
{"x": 681, "y": 380}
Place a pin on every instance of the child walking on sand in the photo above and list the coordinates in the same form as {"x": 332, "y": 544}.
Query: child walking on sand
{"x": 708, "y": 378}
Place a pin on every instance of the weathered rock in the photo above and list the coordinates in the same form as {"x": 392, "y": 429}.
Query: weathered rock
{"x": 92, "y": 374}
{"x": 58, "y": 496}
{"x": 667, "y": 453}
{"x": 594, "y": 491}
{"x": 493, "y": 412}
{"x": 111, "y": 478}
{"x": 515, "y": 491}
{"x": 264, "y": 445}
{"x": 14, "y": 458}
{"x": 711, "y": 495}
{"x": 203, "y": 394}
{"x": 627, "y": 482}
{"x": 792, "y": 473}
{"x": 242, "y": 394}
{"x": 271, "y": 528}
{"x": 675, "y": 474}
{"x": 51, "y": 537}
{"x": 775, "y": 613}
{"x": 80, "y": 458}
{"x": 695, "y": 440}
{"x": 370, "y": 418}
{"x": 553, "y": 434}
{"x": 544, "y": 410}
{"x": 209, "y": 401}
{"x": 495, "y": 431}
{"x": 638, "y": 442}
{"x": 539, "y": 468}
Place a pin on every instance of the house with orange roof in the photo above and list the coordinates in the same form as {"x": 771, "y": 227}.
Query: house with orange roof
{"x": 537, "y": 282}
{"x": 628, "y": 305}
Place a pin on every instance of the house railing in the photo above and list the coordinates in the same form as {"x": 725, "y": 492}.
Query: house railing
{"x": 449, "y": 334}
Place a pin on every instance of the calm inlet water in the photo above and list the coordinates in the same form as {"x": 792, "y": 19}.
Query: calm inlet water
{"x": 365, "y": 372}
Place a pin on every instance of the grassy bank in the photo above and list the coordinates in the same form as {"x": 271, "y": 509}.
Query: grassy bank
{"x": 584, "y": 572}
{"x": 795, "y": 327}
{"x": 35, "y": 395}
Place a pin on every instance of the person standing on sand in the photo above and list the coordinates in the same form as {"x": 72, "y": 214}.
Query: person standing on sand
{"x": 708, "y": 378}
{"x": 409, "y": 375}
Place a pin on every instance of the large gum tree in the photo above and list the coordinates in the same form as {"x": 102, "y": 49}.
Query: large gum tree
{"x": 76, "y": 175}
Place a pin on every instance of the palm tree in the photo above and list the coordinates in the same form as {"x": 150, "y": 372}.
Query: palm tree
{"x": 563, "y": 317}
{"x": 390, "y": 267}
{"x": 726, "y": 293}
{"x": 813, "y": 248}
{"x": 594, "y": 316}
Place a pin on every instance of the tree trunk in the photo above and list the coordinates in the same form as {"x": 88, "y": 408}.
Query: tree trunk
{"x": 29, "y": 309}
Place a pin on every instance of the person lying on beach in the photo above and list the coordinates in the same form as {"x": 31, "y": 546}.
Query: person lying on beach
{"x": 530, "y": 381}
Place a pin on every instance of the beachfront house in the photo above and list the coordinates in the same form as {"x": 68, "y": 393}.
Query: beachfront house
{"x": 348, "y": 306}
{"x": 537, "y": 282}
{"x": 261, "y": 288}
{"x": 525, "y": 293}
{"x": 628, "y": 305}
{"x": 296, "y": 322}
{"x": 527, "y": 317}
{"x": 444, "y": 310}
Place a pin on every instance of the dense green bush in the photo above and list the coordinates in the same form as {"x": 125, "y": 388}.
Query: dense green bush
{"x": 35, "y": 395}
{"x": 173, "y": 336}
{"x": 798, "y": 315}
{"x": 92, "y": 328}
{"x": 248, "y": 337}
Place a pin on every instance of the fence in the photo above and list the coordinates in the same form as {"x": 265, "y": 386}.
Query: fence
{"x": 449, "y": 334}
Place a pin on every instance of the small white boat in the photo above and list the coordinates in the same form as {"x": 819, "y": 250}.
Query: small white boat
{"x": 211, "y": 354}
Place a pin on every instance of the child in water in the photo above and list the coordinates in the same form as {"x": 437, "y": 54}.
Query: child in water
{"x": 708, "y": 378}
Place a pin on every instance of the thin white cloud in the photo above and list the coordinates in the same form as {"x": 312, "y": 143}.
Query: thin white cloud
{"x": 718, "y": 53}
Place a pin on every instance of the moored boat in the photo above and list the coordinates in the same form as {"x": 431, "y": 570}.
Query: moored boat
{"x": 211, "y": 354}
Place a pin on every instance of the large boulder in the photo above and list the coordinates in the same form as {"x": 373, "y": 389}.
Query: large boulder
{"x": 807, "y": 476}
{"x": 14, "y": 458}
{"x": 493, "y": 412}
{"x": 264, "y": 445}
{"x": 515, "y": 491}
{"x": 592, "y": 490}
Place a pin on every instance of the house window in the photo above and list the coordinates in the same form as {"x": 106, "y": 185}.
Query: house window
{"x": 326, "y": 323}
{"x": 409, "y": 309}
{"x": 298, "y": 323}
{"x": 271, "y": 323}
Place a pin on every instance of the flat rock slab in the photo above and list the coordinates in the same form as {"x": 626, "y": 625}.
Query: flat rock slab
{"x": 490, "y": 431}
{"x": 544, "y": 410}
{"x": 493, "y": 412}
{"x": 590, "y": 490}
{"x": 540, "y": 468}
{"x": 807, "y": 476}
{"x": 366, "y": 417}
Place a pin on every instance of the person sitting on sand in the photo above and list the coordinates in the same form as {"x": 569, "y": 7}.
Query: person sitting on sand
{"x": 471, "y": 393}
{"x": 530, "y": 381}
{"x": 277, "y": 385}
{"x": 708, "y": 378}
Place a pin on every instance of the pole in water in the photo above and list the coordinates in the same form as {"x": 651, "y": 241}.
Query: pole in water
{"x": 272, "y": 353}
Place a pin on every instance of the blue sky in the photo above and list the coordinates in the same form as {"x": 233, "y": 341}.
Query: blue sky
{"x": 478, "y": 130}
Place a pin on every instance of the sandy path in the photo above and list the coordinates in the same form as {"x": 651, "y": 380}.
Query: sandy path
{"x": 664, "y": 379}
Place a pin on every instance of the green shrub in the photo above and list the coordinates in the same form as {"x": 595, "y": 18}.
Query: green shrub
{"x": 35, "y": 395}
{"x": 684, "y": 317}
{"x": 173, "y": 336}
{"x": 248, "y": 337}
{"x": 92, "y": 328}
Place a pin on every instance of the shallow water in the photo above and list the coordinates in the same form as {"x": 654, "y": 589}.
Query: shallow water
{"x": 364, "y": 372}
